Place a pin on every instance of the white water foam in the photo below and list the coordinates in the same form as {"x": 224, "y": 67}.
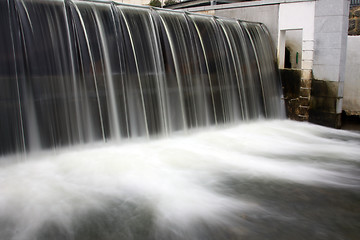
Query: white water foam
{"x": 180, "y": 179}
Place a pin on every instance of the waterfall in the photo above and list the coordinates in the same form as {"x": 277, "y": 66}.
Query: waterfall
{"x": 79, "y": 71}
{"x": 80, "y": 78}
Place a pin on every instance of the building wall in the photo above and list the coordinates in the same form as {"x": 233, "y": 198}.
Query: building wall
{"x": 331, "y": 27}
{"x": 298, "y": 16}
{"x": 351, "y": 103}
{"x": 331, "y": 30}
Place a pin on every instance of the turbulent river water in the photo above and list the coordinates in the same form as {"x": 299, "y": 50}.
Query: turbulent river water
{"x": 275, "y": 179}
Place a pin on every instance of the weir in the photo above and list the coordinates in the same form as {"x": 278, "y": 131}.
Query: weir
{"x": 80, "y": 71}
{"x": 78, "y": 78}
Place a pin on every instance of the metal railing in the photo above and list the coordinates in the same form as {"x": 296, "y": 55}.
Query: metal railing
{"x": 354, "y": 2}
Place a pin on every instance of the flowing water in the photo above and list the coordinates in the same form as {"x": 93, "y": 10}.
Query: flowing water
{"x": 82, "y": 71}
{"x": 123, "y": 122}
{"x": 262, "y": 180}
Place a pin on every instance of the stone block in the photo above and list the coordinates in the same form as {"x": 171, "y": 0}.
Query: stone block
{"x": 305, "y": 92}
{"x": 325, "y": 119}
{"x": 307, "y": 54}
{"x": 351, "y": 24}
{"x": 351, "y": 14}
{"x": 303, "y": 110}
{"x": 326, "y": 89}
{"x": 329, "y": 24}
{"x": 352, "y": 11}
{"x": 329, "y": 56}
{"x": 307, "y": 64}
{"x": 291, "y": 82}
{"x": 328, "y": 40}
{"x": 306, "y": 74}
{"x": 292, "y": 109}
{"x": 356, "y": 25}
{"x": 304, "y": 101}
{"x": 308, "y": 45}
{"x": 324, "y": 104}
{"x": 332, "y": 8}
{"x": 326, "y": 72}
{"x": 306, "y": 83}
{"x": 357, "y": 13}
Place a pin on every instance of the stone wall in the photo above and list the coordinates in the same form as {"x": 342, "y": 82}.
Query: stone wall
{"x": 354, "y": 21}
{"x": 324, "y": 105}
{"x": 291, "y": 82}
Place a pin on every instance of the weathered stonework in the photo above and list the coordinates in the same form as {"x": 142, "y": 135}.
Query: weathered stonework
{"x": 311, "y": 100}
{"x": 291, "y": 81}
{"x": 297, "y": 93}
{"x": 354, "y": 21}
{"x": 324, "y": 102}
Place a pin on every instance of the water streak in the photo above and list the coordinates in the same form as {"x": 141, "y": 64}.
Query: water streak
{"x": 81, "y": 71}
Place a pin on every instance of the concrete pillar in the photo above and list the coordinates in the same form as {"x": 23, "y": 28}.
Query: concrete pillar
{"x": 352, "y": 77}
{"x": 331, "y": 29}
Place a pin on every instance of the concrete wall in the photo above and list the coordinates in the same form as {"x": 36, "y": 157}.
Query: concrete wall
{"x": 331, "y": 27}
{"x": 298, "y": 15}
{"x": 351, "y": 103}
{"x": 331, "y": 30}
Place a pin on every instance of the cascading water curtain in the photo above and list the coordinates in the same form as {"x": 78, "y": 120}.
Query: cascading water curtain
{"x": 80, "y": 71}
